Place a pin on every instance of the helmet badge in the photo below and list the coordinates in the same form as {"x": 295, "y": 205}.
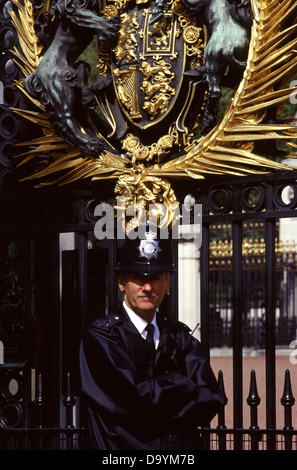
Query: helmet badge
{"x": 149, "y": 248}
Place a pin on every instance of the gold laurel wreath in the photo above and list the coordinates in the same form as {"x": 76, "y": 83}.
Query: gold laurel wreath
{"x": 227, "y": 150}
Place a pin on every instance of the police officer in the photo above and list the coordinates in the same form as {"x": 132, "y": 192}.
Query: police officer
{"x": 145, "y": 379}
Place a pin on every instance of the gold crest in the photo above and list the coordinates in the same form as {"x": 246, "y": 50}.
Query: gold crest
{"x": 147, "y": 87}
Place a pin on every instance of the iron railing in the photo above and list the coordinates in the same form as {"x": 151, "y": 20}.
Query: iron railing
{"x": 23, "y": 425}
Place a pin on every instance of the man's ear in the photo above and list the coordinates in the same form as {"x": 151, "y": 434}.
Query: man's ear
{"x": 122, "y": 282}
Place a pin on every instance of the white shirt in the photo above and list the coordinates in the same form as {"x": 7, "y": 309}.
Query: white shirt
{"x": 140, "y": 324}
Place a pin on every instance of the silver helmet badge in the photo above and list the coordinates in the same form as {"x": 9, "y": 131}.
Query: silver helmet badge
{"x": 149, "y": 248}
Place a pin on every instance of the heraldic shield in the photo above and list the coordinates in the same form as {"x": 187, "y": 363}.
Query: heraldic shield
{"x": 149, "y": 65}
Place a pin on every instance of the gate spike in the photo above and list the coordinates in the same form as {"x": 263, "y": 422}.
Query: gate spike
{"x": 39, "y": 397}
{"x": 222, "y": 386}
{"x": 253, "y": 400}
{"x": 287, "y": 400}
{"x": 69, "y": 401}
{"x": 38, "y": 402}
{"x": 221, "y": 414}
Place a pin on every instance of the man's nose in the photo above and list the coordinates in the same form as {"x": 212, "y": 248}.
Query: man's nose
{"x": 147, "y": 286}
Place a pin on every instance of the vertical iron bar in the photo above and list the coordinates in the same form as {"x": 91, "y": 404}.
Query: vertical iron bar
{"x": 82, "y": 245}
{"x": 25, "y": 439}
{"x": 174, "y": 283}
{"x": 112, "y": 278}
{"x": 38, "y": 403}
{"x": 204, "y": 279}
{"x": 69, "y": 402}
{"x": 56, "y": 352}
{"x": 270, "y": 320}
{"x": 204, "y": 302}
{"x": 237, "y": 330}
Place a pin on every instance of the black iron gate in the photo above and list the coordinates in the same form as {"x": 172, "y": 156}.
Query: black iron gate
{"x": 56, "y": 278}
{"x": 232, "y": 203}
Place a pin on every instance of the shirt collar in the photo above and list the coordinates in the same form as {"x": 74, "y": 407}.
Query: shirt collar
{"x": 137, "y": 321}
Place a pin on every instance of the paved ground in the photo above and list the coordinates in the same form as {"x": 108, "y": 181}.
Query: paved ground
{"x": 258, "y": 364}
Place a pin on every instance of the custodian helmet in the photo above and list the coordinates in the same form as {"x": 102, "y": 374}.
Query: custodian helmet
{"x": 148, "y": 255}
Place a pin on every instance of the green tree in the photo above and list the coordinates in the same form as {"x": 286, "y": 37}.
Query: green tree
{"x": 90, "y": 55}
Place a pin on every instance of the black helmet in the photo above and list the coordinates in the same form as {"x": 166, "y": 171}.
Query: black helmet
{"x": 148, "y": 254}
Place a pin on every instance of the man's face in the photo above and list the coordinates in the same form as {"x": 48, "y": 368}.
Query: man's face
{"x": 143, "y": 294}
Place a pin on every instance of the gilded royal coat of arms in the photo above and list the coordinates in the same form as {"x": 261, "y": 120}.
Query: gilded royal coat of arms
{"x": 151, "y": 117}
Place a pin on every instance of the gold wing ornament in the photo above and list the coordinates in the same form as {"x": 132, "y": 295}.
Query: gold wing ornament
{"x": 271, "y": 64}
{"x": 228, "y": 149}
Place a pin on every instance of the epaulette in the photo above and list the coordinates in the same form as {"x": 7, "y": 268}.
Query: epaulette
{"x": 182, "y": 326}
{"x": 177, "y": 325}
{"x": 108, "y": 322}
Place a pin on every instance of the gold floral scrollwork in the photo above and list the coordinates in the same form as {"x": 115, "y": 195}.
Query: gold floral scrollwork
{"x": 131, "y": 143}
{"x": 137, "y": 151}
{"x": 165, "y": 142}
{"x": 150, "y": 196}
{"x": 104, "y": 66}
{"x": 191, "y": 34}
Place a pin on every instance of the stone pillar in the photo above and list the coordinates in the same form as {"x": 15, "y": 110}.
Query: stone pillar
{"x": 189, "y": 283}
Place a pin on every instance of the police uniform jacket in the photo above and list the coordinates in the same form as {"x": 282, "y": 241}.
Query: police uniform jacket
{"x": 142, "y": 399}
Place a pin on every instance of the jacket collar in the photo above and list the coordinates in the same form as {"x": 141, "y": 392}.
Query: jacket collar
{"x": 130, "y": 327}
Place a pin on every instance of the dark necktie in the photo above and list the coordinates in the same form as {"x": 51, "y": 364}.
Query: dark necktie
{"x": 150, "y": 334}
